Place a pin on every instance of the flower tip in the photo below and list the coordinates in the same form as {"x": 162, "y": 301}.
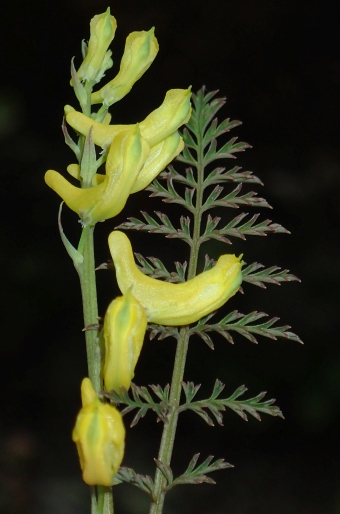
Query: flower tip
{"x": 68, "y": 109}
{"x": 151, "y": 34}
{"x": 74, "y": 170}
{"x": 88, "y": 394}
{"x": 50, "y": 177}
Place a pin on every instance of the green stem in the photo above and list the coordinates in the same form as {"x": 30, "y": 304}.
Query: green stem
{"x": 101, "y": 497}
{"x": 169, "y": 430}
{"x": 90, "y": 306}
{"x": 198, "y": 209}
{"x": 105, "y": 500}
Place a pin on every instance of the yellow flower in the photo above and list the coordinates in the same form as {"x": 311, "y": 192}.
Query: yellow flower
{"x": 140, "y": 51}
{"x": 159, "y": 157}
{"x": 159, "y": 124}
{"x": 137, "y": 154}
{"x": 175, "y": 304}
{"x": 97, "y": 59}
{"x": 99, "y": 434}
{"x": 124, "y": 329}
{"x": 125, "y": 159}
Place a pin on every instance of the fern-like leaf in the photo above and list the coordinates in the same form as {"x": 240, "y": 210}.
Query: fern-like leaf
{"x": 197, "y": 475}
{"x": 235, "y": 229}
{"x": 225, "y": 152}
{"x": 219, "y": 175}
{"x": 244, "y": 324}
{"x": 156, "y": 269}
{"x": 141, "y": 400}
{"x": 234, "y": 199}
{"x": 272, "y": 275}
{"x": 143, "y": 482}
{"x": 153, "y": 226}
{"x": 215, "y": 405}
{"x": 162, "y": 331}
{"x": 169, "y": 194}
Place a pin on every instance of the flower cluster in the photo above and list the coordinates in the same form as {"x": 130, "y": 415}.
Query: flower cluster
{"x": 134, "y": 155}
{"x": 137, "y": 153}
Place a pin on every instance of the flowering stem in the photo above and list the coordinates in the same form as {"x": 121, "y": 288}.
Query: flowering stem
{"x": 169, "y": 431}
{"x": 101, "y": 497}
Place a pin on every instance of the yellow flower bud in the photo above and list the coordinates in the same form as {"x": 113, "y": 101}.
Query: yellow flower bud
{"x": 140, "y": 51}
{"x": 99, "y": 434}
{"x": 125, "y": 159}
{"x": 159, "y": 124}
{"x": 124, "y": 329}
{"x": 175, "y": 304}
{"x": 96, "y": 62}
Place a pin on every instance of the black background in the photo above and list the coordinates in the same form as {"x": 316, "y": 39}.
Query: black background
{"x": 278, "y": 63}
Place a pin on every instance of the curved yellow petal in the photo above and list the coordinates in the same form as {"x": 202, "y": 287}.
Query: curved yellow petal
{"x": 125, "y": 159}
{"x": 173, "y": 113}
{"x": 72, "y": 195}
{"x": 160, "y": 156}
{"x": 159, "y": 124}
{"x": 175, "y": 304}
{"x": 102, "y": 134}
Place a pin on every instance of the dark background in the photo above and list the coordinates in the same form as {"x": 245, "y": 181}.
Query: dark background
{"x": 279, "y": 65}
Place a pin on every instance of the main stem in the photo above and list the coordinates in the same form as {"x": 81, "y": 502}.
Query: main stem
{"x": 169, "y": 430}
{"x": 90, "y": 305}
{"x": 101, "y": 497}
